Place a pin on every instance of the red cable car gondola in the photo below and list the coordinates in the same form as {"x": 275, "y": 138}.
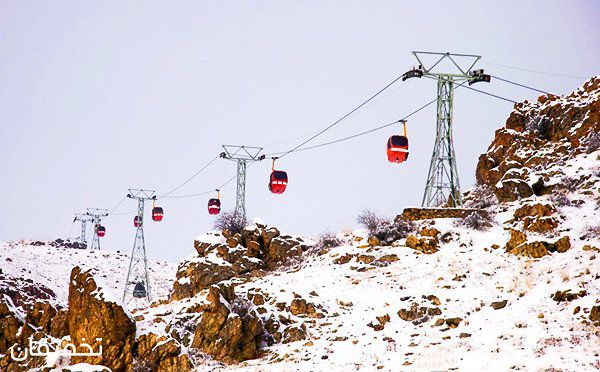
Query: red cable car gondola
{"x": 100, "y": 230}
{"x": 157, "y": 214}
{"x": 278, "y": 180}
{"x": 214, "y": 205}
{"x": 137, "y": 221}
{"x": 397, "y": 147}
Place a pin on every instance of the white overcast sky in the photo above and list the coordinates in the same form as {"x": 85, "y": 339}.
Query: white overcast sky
{"x": 97, "y": 97}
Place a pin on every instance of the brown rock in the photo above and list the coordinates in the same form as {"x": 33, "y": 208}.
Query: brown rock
{"x": 388, "y": 258}
{"x": 414, "y": 313}
{"x": 436, "y": 301}
{"x": 233, "y": 241}
{"x": 228, "y": 337}
{"x": 425, "y": 245}
{"x": 516, "y": 238}
{"x": 282, "y": 250}
{"x": 253, "y": 249}
{"x": 161, "y": 354}
{"x": 532, "y": 250}
{"x": 499, "y": 304}
{"x": 430, "y": 232}
{"x": 381, "y": 321}
{"x": 365, "y": 258}
{"x": 373, "y": 241}
{"x": 595, "y": 315}
{"x": 567, "y": 296}
{"x": 268, "y": 235}
{"x": 453, "y": 322}
{"x": 563, "y": 244}
{"x": 294, "y": 333}
{"x": 93, "y": 315}
{"x": 300, "y": 306}
{"x": 250, "y": 234}
{"x": 513, "y": 189}
{"x": 41, "y": 315}
{"x": 534, "y": 210}
{"x": 59, "y": 327}
{"x": 342, "y": 259}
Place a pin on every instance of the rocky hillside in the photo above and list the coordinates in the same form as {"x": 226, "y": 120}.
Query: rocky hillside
{"x": 509, "y": 283}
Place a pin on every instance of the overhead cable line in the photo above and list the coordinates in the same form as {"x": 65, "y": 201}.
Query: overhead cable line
{"x": 190, "y": 178}
{"x": 490, "y": 94}
{"x": 208, "y": 191}
{"x": 521, "y": 85}
{"x": 117, "y": 206}
{"x": 366, "y": 131}
{"x": 343, "y": 117}
{"x": 535, "y": 71}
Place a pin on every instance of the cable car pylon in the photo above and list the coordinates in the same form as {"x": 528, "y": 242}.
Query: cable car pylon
{"x": 99, "y": 231}
{"x": 443, "y": 186}
{"x": 137, "y": 285}
{"x": 83, "y": 219}
{"x": 242, "y": 155}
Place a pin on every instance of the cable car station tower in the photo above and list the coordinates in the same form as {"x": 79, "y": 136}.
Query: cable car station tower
{"x": 443, "y": 187}
{"x": 96, "y": 215}
{"x": 242, "y": 155}
{"x": 137, "y": 285}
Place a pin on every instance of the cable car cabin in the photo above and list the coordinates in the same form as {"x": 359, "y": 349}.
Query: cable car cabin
{"x": 278, "y": 182}
{"x": 100, "y": 231}
{"x": 137, "y": 221}
{"x": 139, "y": 291}
{"x": 157, "y": 214}
{"x": 214, "y": 206}
{"x": 397, "y": 149}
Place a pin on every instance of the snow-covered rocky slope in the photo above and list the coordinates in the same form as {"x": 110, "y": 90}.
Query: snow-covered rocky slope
{"x": 468, "y": 306}
{"x": 30, "y": 267}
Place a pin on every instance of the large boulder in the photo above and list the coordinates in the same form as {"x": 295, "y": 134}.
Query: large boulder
{"x": 160, "y": 354}
{"x": 229, "y": 332}
{"x": 94, "y": 313}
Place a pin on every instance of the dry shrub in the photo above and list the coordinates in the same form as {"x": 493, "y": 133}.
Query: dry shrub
{"x": 475, "y": 221}
{"x": 539, "y": 126}
{"x": 560, "y": 200}
{"x": 481, "y": 197}
{"x": 592, "y": 142}
{"x": 328, "y": 240}
{"x": 370, "y": 220}
{"x": 389, "y": 231}
{"x": 231, "y": 221}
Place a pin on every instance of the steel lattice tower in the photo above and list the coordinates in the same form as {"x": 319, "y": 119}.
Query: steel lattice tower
{"x": 242, "y": 155}
{"x": 84, "y": 219}
{"x": 137, "y": 285}
{"x": 443, "y": 186}
{"x": 96, "y": 215}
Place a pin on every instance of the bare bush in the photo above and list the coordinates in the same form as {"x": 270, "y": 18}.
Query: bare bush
{"x": 591, "y": 232}
{"x": 475, "y": 221}
{"x": 370, "y": 220}
{"x": 328, "y": 240}
{"x": 539, "y": 126}
{"x": 481, "y": 197}
{"x": 231, "y": 221}
{"x": 560, "y": 200}
{"x": 241, "y": 305}
{"x": 388, "y": 232}
{"x": 592, "y": 142}
{"x": 569, "y": 184}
